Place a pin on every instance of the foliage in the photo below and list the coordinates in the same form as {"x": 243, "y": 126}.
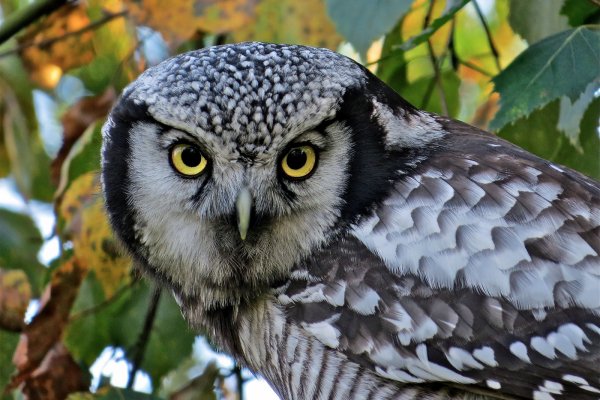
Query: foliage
{"x": 526, "y": 69}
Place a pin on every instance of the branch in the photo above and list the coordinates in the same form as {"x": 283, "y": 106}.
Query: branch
{"x": 488, "y": 34}
{"x": 237, "y": 371}
{"x": 139, "y": 348}
{"x": 50, "y": 41}
{"x": 25, "y": 16}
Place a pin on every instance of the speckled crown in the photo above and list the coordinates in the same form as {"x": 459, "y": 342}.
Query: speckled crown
{"x": 249, "y": 93}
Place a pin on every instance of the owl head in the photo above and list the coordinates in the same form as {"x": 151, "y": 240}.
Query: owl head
{"x": 223, "y": 167}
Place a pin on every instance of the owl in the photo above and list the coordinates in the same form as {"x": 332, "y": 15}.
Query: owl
{"x": 344, "y": 244}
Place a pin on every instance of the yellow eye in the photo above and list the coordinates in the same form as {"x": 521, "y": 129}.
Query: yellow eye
{"x": 299, "y": 162}
{"x": 187, "y": 159}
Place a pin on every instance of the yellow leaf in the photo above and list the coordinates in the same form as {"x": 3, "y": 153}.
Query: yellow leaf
{"x": 15, "y": 293}
{"x": 50, "y": 47}
{"x": 182, "y": 18}
{"x": 290, "y": 21}
{"x": 94, "y": 246}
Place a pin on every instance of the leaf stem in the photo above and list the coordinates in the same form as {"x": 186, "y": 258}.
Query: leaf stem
{"x": 25, "y": 16}
{"x": 139, "y": 348}
{"x": 488, "y": 35}
{"x": 237, "y": 371}
{"x": 434, "y": 62}
{"x": 52, "y": 40}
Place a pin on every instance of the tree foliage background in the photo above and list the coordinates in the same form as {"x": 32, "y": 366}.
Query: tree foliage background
{"x": 527, "y": 70}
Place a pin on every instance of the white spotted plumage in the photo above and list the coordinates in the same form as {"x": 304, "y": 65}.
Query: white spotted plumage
{"x": 422, "y": 258}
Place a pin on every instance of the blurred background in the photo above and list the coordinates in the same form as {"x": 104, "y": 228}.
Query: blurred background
{"x": 75, "y": 321}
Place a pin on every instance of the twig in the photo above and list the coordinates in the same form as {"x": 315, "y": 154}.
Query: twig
{"x": 237, "y": 371}
{"x": 488, "y": 34}
{"x": 139, "y": 348}
{"x": 50, "y": 41}
{"x": 26, "y": 16}
{"x": 434, "y": 62}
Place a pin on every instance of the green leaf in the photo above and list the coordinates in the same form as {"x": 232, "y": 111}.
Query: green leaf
{"x": 361, "y": 22}
{"x": 88, "y": 333}
{"x": 538, "y": 134}
{"x": 83, "y": 157}
{"x": 118, "y": 322}
{"x": 546, "y": 71}
{"x": 433, "y": 27}
{"x": 21, "y": 241}
{"x": 424, "y": 93}
{"x": 392, "y": 67}
{"x": 8, "y": 343}
{"x": 580, "y": 12}
{"x": 113, "y": 393}
{"x": 534, "y": 20}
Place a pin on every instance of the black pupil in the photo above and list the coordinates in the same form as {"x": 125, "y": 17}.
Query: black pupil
{"x": 191, "y": 156}
{"x": 296, "y": 158}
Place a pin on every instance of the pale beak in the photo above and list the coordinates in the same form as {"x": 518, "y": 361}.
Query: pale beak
{"x": 243, "y": 206}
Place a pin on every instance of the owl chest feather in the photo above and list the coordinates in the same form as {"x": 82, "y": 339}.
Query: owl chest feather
{"x": 300, "y": 366}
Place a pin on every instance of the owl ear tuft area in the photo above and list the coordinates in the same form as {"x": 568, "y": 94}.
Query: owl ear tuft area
{"x": 406, "y": 129}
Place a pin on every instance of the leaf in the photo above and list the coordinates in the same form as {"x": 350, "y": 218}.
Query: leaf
{"x": 522, "y": 13}
{"x": 424, "y": 93}
{"x": 76, "y": 121}
{"x": 286, "y": 21}
{"x": 114, "y": 45}
{"x": 21, "y": 241}
{"x": 571, "y": 114}
{"x": 41, "y": 337}
{"x": 201, "y": 387}
{"x": 391, "y": 68}
{"x": 113, "y": 393}
{"x": 170, "y": 340}
{"x": 118, "y": 322}
{"x": 546, "y": 71}
{"x": 362, "y": 22}
{"x": 56, "y": 377}
{"x": 8, "y": 343}
{"x": 26, "y": 156}
{"x": 86, "y": 224}
{"x": 15, "y": 293}
{"x": 183, "y": 18}
{"x": 48, "y": 58}
{"x": 88, "y": 332}
{"x": 433, "y": 27}
{"x": 580, "y": 12}
{"x": 538, "y": 134}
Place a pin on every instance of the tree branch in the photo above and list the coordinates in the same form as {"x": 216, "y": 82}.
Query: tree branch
{"x": 139, "y": 349}
{"x": 25, "y": 16}
{"x": 488, "y": 34}
{"x": 237, "y": 371}
{"x": 50, "y": 41}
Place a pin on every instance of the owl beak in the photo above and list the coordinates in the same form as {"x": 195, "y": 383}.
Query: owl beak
{"x": 243, "y": 205}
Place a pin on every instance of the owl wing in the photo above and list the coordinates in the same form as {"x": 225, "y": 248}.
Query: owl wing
{"x": 481, "y": 268}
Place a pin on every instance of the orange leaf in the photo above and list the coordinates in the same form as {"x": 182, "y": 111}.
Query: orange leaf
{"x": 49, "y": 50}
{"x": 182, "y": 18}
{"x": 290, "y": 21}
{"x": 45, "y": 330}
{"x": 94, "y": 245}
{"x": 15, "y": 293}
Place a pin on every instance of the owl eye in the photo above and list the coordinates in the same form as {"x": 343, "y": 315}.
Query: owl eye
{"x": 299, "y": 162}
{"x": 187, "y": 159}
